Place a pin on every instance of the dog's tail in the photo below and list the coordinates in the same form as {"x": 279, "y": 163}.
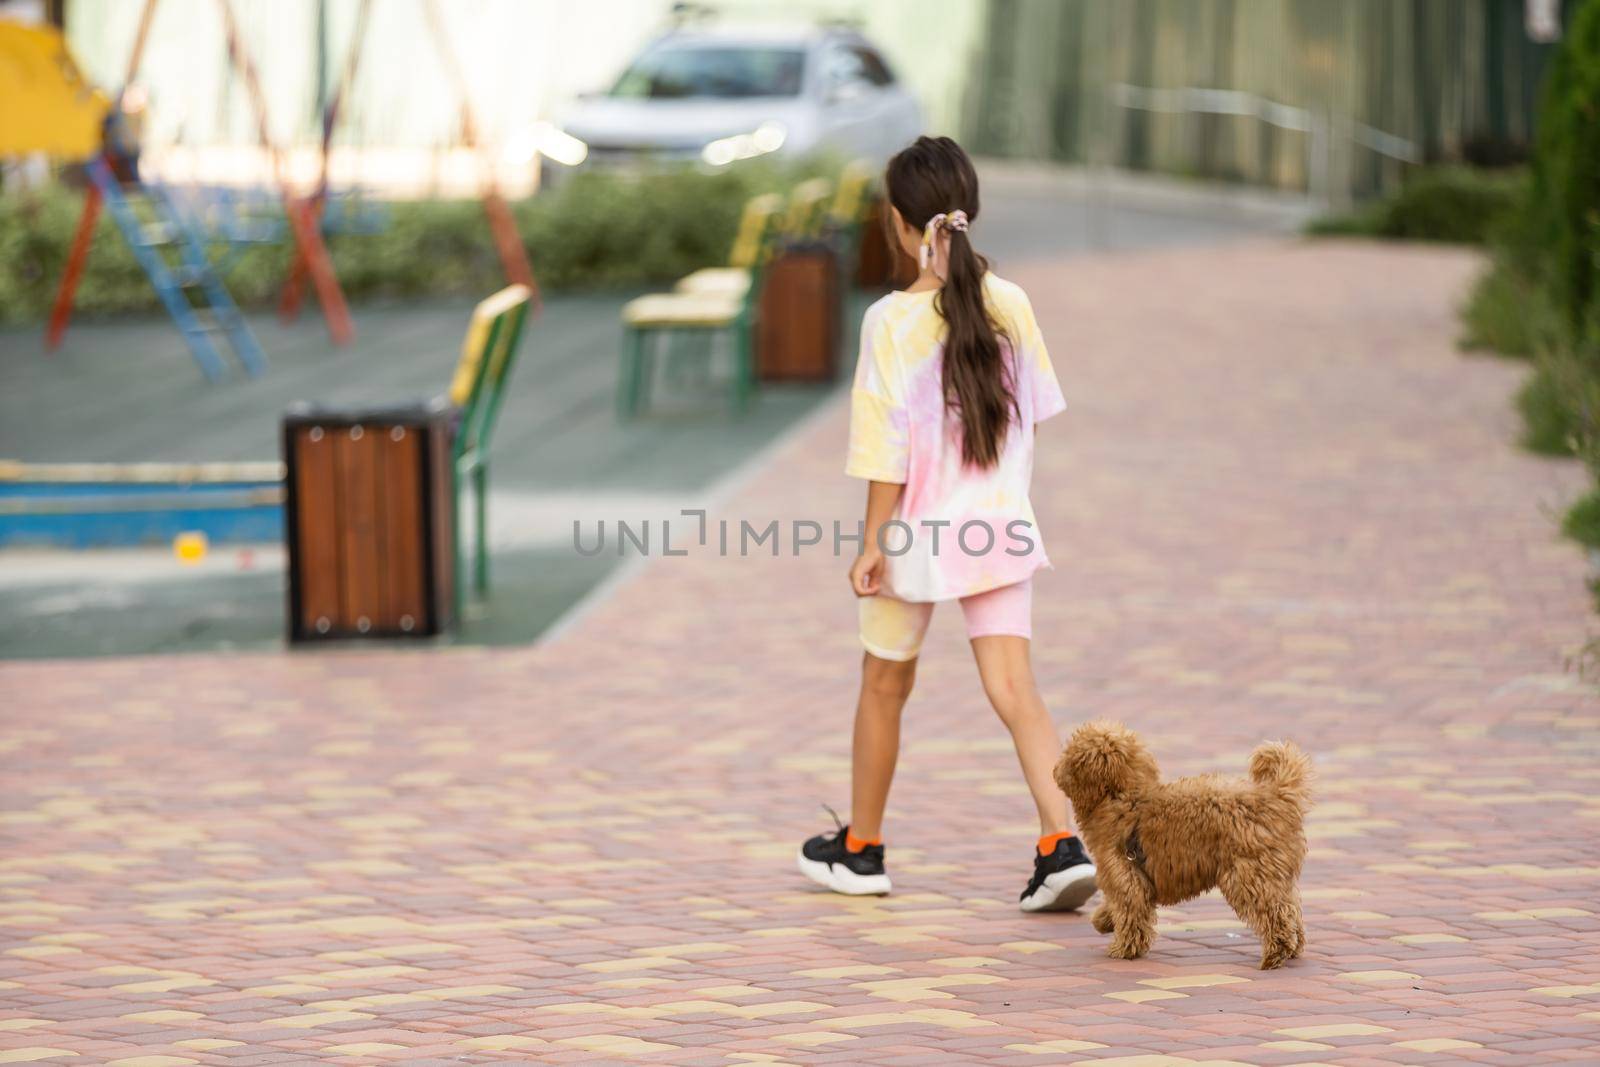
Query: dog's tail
{"x": 1283, "y": 765}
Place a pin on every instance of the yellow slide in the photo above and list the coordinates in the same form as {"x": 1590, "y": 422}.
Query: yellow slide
{"x": 48, "y": 106}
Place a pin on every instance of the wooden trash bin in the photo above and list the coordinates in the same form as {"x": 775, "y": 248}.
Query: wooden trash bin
{"x": 369, "y": 521}
{"x": 797, "y": 326}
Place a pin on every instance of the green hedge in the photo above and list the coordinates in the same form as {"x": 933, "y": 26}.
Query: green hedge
{"x": 1458, "y": 205}
{"x": 593, "y": 230}
{"x": 1541, "y": 296}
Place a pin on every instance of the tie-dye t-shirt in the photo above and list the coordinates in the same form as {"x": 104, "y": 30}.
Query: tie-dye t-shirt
{"x": 900, "y": 431}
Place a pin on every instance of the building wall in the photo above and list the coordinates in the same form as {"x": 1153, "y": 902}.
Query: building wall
{"x": 524, "y": 58}
{"x": 1455, "y": 78}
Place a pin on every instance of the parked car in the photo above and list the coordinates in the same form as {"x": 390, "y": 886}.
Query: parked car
{"x": 716, "y": 95}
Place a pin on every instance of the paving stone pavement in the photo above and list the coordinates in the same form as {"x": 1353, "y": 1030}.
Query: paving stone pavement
{"x": 1281, "y": 504}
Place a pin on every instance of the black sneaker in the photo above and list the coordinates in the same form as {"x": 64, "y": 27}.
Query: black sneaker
{"x": 1062, "y": 881}
{"x": 826, "y": 861}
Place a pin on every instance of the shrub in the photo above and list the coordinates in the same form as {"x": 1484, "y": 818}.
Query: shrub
{"x": 593, "y": 230}
{"x": 1457, "y": 205}
{"x": 1582, "y": 521}
{"x": 1548, "y": 422}
{"x": 1506, "y": 314}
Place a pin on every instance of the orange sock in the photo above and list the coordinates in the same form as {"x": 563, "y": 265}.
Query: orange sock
{"x": 852, "y": 843}
{"x": 1047, "y": 843}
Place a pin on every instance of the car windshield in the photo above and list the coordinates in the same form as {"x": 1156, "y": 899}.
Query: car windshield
{"x": 717, "y": 71}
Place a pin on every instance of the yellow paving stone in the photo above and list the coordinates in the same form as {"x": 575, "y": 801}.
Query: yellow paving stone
{"x": 364, "y": 1048}
{"x": 1046, "y": 1048}
{"x": 503, "y": 1042}
{"x": 1152, "y": 1060}
{"x": 775, "y": 1009}
{"x": 391, "y": 821}
{"x": 1296, "y": 1046}
{"x": 1532, "y": 913}
{"x": 315, "y": 1019}
{"x": 1361, "y": 916}
{"x": 285, "y": 989}
{"x": 165, "y": 985}
{"x": 1192, "y": 981}
{"x": 814, "y": 1037}
{"x": 906, "y": 935}
{"x": 640, "y": 963}
{"x": 353, "y": 975}
{"x": 420, "y": 948}
{"x": 1028, "y": 948}
{"x": 23, "y": 1023}
{"x": 1312, "y": 1033}
{"x": 638, "y": 982}
{"x": 691, "y": 948}
{"x": 467, "y": 992}
{"x": 782, "y": 931}
{"x": 1436, "y": 1044}
{"x": 152, "y": 1061}
{"x": 1450, "y": 845}
{"x": 28, "y": 1055}
{"x": 1381, "y": 976}
{"x": 370, "y": 1000}
{"x": 1139, "y": 996}
{"x": 1566, "y": 991}
{"x": 850, "y": 971}
{"x": 616, "y": 1044}
{"x": 730, "y": 992}
{"x": 370, "y": 867}
{"x": 929, "y": 988}
{"x": 1330, "y": 893}
{"x": 206, "y": 1044}
{"x": 162, "y": 1016}
{"x": 583, "y": 903}
{"x": 947, "y": 1017}
{"x": 37, "y": 906}
{"x": 33, "y": 952}
{"x": 1426, "y": 939}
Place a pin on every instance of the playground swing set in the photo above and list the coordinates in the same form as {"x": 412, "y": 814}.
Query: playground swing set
{"x": 169, "y": 230}
{"x": 410, "y": 574}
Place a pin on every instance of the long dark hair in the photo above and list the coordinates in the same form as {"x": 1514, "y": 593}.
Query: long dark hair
{"x": 932, "y": 176}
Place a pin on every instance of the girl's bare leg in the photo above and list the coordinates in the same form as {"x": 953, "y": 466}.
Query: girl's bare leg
{"x": 1007, "y": 673}
{"x": 885, "y": 686}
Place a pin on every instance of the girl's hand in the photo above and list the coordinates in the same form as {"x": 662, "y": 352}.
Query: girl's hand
{"x": 866, "y": 573}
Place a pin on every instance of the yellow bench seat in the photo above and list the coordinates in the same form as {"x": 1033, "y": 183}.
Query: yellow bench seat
{"x": 709, "y": 310}
{"x": 723, "y": 281}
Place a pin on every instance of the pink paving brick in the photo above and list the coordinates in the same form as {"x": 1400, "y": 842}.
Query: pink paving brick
{"x": 1281, "y": 504}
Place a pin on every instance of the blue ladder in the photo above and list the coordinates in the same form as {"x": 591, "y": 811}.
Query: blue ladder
{"x": 170, "y": 226}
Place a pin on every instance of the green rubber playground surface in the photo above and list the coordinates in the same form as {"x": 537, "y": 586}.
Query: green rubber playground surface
{"x": 127, "y": 391}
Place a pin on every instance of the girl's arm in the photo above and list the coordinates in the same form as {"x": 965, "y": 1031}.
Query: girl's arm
{"x": 866, "y": 574}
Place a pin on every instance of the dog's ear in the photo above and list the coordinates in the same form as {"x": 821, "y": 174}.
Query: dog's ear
{"x": 1101, "y": 760}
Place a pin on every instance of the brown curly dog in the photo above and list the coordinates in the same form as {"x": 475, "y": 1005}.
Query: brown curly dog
{"x": 1156, "y": 843}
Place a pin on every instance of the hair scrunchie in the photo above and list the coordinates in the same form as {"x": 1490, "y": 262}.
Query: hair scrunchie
{"x": 935, "y": 250}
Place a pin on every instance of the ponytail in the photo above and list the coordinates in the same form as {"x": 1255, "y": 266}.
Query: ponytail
{"x": 931, "y": 177}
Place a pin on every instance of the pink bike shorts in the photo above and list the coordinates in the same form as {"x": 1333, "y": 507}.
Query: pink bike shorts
{"x": 893, "y": 629}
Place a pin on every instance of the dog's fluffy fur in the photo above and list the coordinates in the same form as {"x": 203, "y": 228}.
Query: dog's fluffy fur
{"x": 1163, "y": 843}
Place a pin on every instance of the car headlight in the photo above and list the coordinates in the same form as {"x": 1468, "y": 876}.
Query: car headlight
{"x": 767, "y": 137}
{"x": 546, "y": 139}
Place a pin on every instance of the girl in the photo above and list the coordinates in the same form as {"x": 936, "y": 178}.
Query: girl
{"x": 953, "y": 377}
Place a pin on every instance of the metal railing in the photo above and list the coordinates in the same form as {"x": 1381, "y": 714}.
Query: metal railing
{"x": 1319, "y": 126}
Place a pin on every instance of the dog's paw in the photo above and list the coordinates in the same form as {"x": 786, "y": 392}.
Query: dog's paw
{"x": 1271, "y": 961}
{"x": 1126, "y": 950}
{"x": 1102, "y": 919}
